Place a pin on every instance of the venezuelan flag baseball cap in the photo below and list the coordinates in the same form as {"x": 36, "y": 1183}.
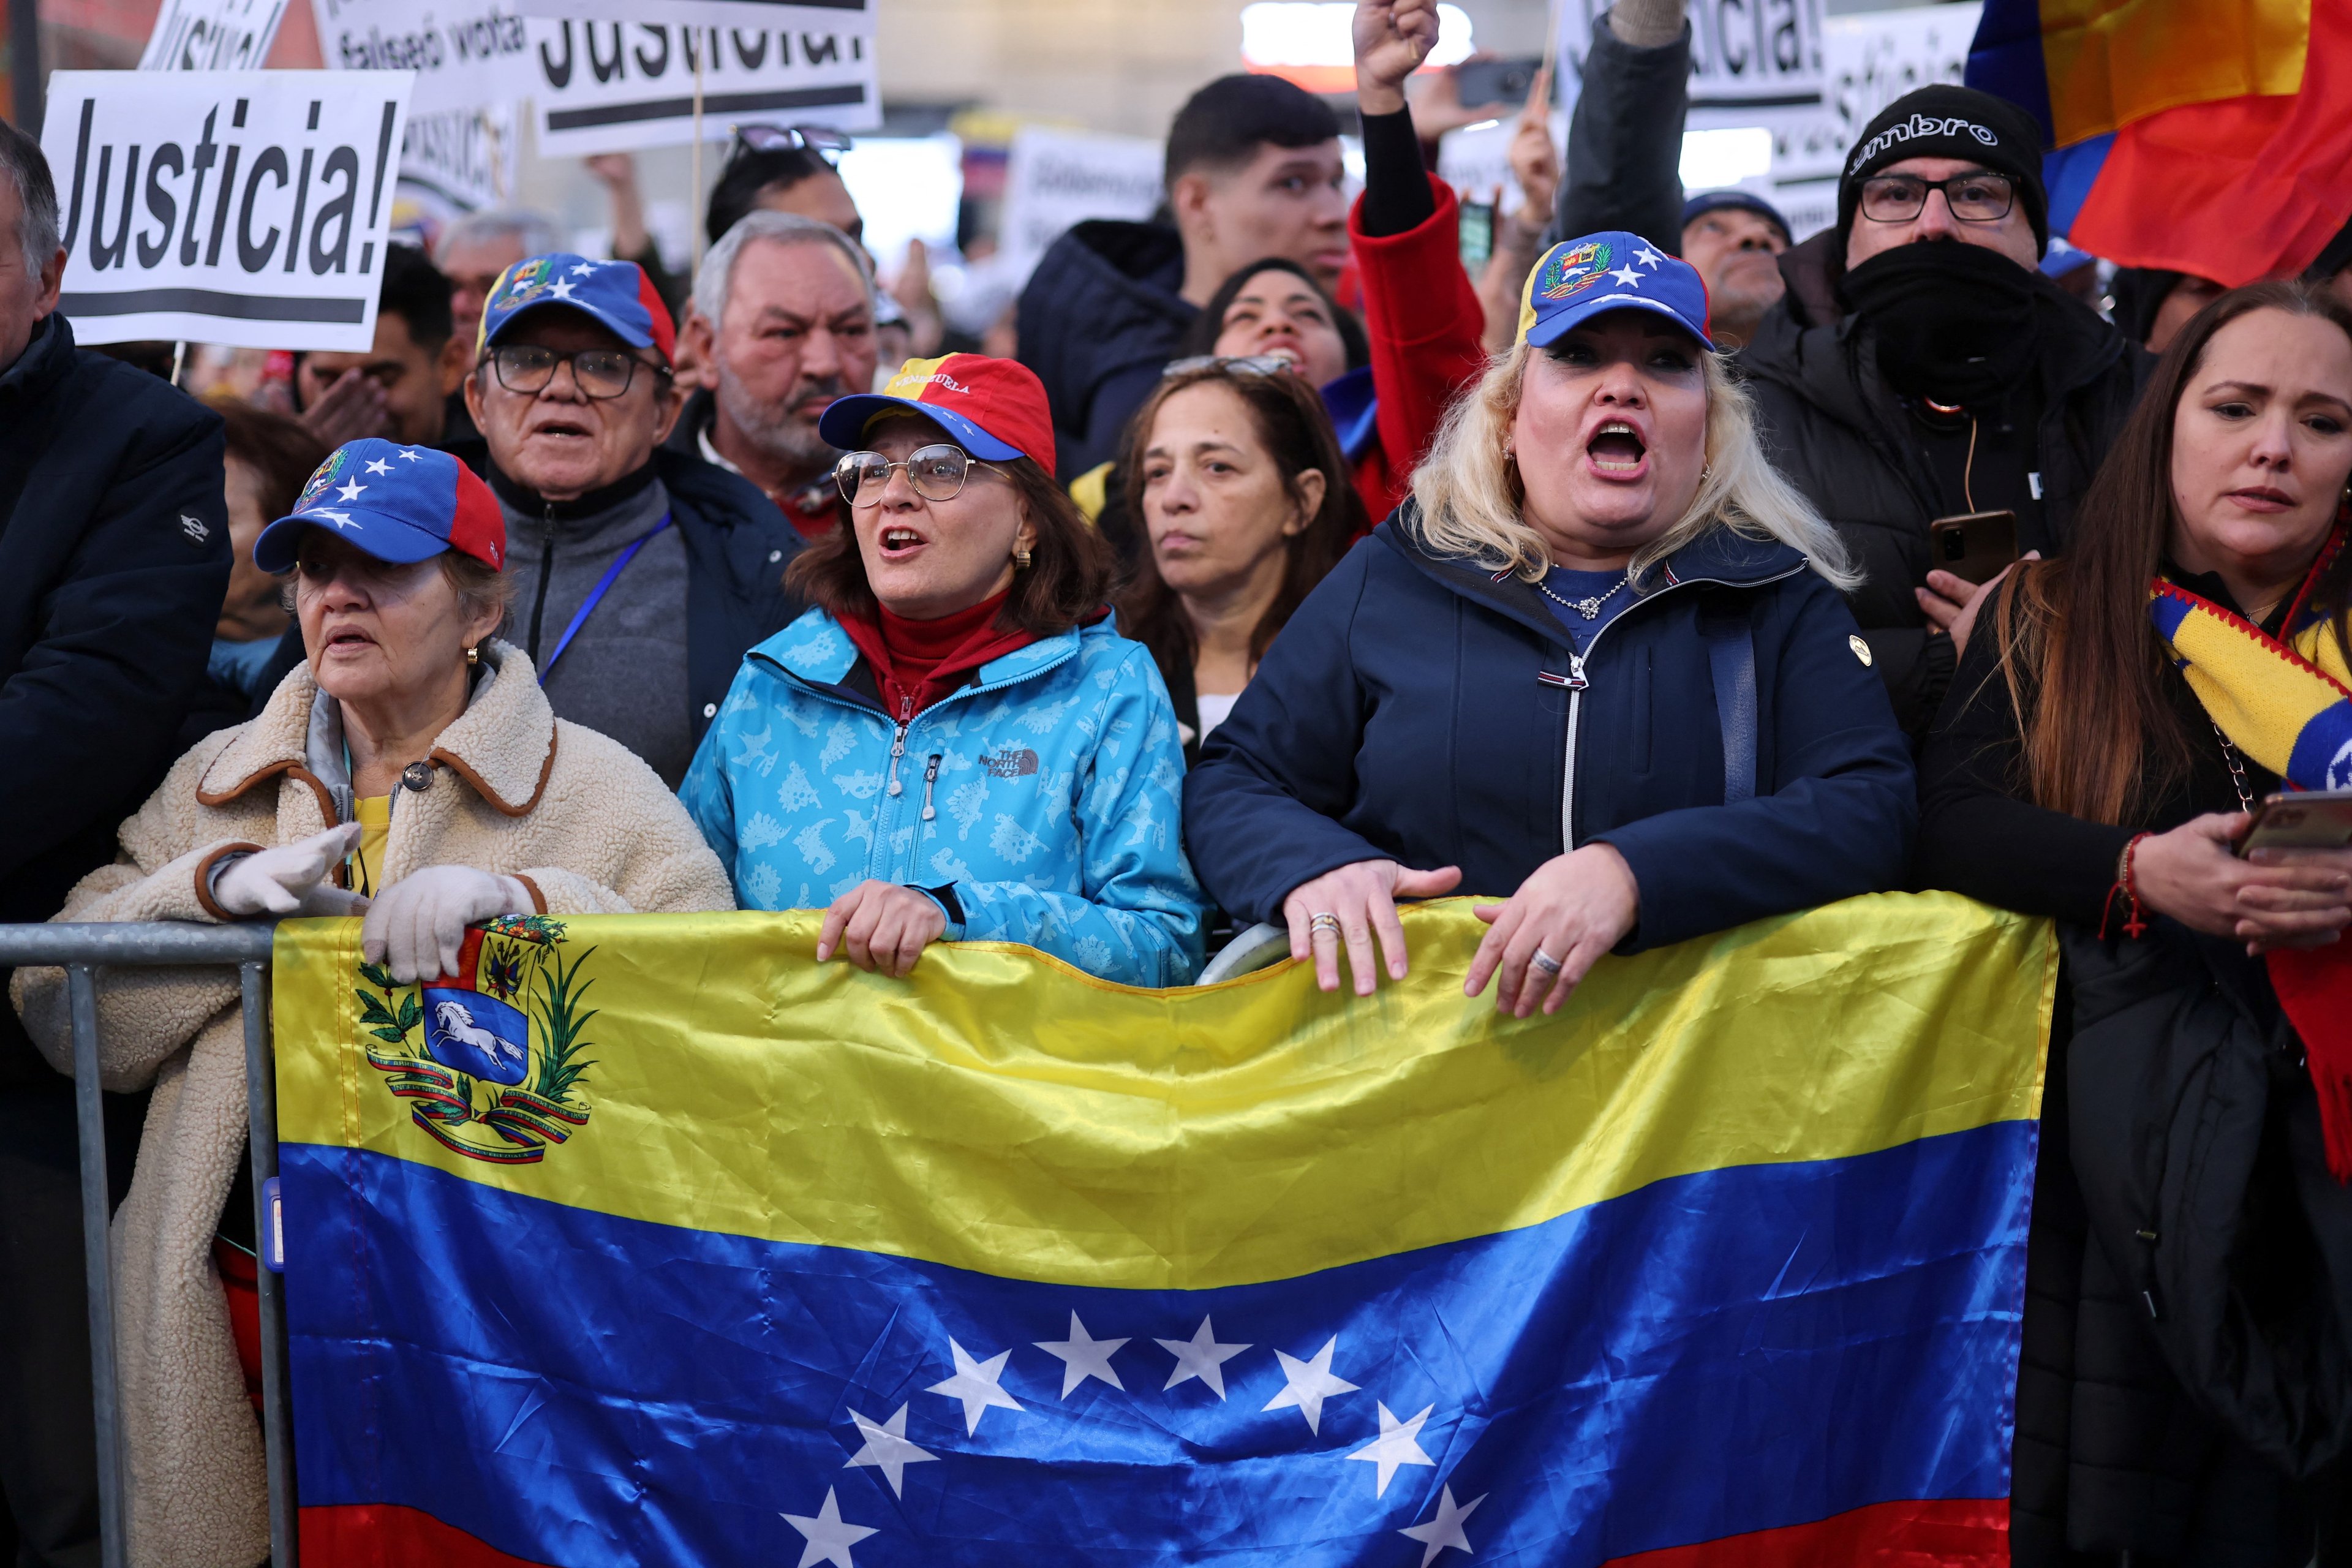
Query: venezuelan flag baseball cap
{"x": 396, "y": 503}
{"x": 615, "y": 293}
{"x": 995, "y": 408}
{"x": 1580, "y": 278}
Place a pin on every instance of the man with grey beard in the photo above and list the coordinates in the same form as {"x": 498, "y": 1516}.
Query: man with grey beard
{"x": 782, "y": 324}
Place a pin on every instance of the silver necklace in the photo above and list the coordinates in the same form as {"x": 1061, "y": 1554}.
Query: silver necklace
{"x": 1588, "y": 608}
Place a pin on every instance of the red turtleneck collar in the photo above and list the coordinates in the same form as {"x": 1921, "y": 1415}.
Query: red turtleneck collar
{"x": 916, "y": 663}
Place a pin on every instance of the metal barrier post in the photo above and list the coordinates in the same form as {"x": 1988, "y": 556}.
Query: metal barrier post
{"x": 277, "y": 1394}
{"x": 79, "y": 949}
{"x": 98, "y": 1250}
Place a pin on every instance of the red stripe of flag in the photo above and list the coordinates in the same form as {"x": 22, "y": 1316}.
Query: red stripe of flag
{"x": 382, "y": 1535}
{"x": 1963, "y": 1532}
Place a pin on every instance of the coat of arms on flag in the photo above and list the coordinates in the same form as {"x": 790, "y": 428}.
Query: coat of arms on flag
{"x": 461, "y": 1047}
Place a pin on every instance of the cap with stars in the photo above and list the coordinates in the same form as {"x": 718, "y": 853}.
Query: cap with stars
{"x": 396, "y": 503}
{"x": 617, "y": 295}
{"x": 1612, "y": 270}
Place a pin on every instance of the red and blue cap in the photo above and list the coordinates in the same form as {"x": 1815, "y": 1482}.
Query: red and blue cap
{"x": 397, "y": 503}
{"x": 617, "y": 294}
{"x": 994, "y": 408}
{"x": 1612, "y": 270}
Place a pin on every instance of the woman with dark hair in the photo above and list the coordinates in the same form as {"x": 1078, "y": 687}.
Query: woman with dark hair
{"x": 270, "y": 457}
{"x": 1232, "y": 467}
{"x": 2111, "y": 728}
{"x": 953, "y": 744}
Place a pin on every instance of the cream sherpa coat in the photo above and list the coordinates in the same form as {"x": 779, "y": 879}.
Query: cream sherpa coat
{"x": 575, "y": 817}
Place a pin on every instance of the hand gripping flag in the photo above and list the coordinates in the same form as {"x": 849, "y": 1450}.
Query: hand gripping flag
{"x": 1002, "y": 1265}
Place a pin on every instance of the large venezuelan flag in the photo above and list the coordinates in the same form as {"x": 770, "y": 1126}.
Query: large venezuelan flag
{"x": 2202, "y": 136}
{"x": 774, "y": 1264}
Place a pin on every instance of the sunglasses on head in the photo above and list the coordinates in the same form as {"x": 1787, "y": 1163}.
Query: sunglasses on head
{"x": 1239, "y": 365}
{"x": 815, "y": 139}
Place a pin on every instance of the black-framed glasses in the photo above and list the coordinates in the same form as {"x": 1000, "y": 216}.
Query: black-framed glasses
{"x": 935, "y": 472}
{"x": 815, "y": 139}
{"x": 528, "y": 368}
{"x": 1979, "y": 197}
{"x": 1241, "y": 364}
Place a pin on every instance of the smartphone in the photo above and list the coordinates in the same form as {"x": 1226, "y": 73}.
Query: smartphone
{"x": 1482, "y": 82}
{"x": 2302, "y": 819}
{"x": 1975, "y": 547}
{"x": 1477, "y": 235}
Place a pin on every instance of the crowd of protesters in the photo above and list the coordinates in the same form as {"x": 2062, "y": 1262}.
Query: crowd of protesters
{"x": 1602, "y": 584}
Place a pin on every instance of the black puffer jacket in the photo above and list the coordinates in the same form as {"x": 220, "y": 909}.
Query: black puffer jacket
{"x": 1838, "y": 432}
{"x": 1098, "y": 321}
{"x": 113, "y": 562}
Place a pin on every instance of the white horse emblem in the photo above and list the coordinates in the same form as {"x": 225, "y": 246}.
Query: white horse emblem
{"x": 454, "y": 1020}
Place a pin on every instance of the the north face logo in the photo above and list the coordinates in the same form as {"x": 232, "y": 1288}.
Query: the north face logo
{"x": 1013, "y": 763}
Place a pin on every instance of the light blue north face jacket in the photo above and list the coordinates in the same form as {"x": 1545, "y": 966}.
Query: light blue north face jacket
{"x": 1046, "y": 795}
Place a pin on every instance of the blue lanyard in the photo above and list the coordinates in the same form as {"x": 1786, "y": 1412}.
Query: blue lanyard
{"x": 596, "y": 595}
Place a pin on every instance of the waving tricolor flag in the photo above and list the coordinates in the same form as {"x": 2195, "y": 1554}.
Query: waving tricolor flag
{"x": 1002, "y": 1264}
{"x": 2200, "y": 136}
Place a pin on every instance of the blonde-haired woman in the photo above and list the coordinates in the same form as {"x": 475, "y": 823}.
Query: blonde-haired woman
{"x": 1598, "y": 668}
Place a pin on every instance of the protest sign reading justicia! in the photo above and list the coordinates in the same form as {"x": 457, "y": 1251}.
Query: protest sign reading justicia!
{"x": 609, "y": 85}
{"x": 212, "y": 34}
{"x": 241, "y": 207}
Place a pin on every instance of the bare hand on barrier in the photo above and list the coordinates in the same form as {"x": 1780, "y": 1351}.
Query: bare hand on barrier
{"x": 290, "y": 879}
{"x": 2297, "y": 897}
{"x": 416, "y": 927}
{"x": 881, "y": 927}
{"x": 1951, "y": 603}
{"x": 1575, "y": 908}
{"x": 352, "y": 408}
{"x": 1391, "y": 38}
{"x": 1352, "y": 904}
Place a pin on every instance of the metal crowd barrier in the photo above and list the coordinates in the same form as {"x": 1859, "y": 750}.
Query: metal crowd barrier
{"x": 82, "y": 950}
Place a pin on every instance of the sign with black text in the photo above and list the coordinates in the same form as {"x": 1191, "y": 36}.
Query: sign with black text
{"x": 1056, "y": 178}
{"x": 239, "y": 207}
{"x": 1753, "y": 63}
{"x": 213, "y": 35}
{"x": 620, "y": 86}
{"x": 455, "y": 161}
{"x": 465, "y": 53}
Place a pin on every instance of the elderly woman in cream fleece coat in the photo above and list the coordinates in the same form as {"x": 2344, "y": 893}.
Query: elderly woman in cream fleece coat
{"x": 499, "y": 807}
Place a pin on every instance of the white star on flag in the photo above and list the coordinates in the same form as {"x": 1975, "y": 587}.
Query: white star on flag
{"x": 1445, "y": 1530}
{"x": 559, "y": 289}
{"x": 1628, "y": 277}
{"x": 339, "y": 518}
{"x": 1397, "y": 1445}
{"x": 1307, "y": 1384}
{"x": 409, "y": 455}
{"x": 1083, "y": 1357}
{"x": 378, "y": 466}
{"x": 1649, "y": 259}
{"x": 583, "y": 270}
{"x": 886, "y": 1449}
{"x": 829, "y": 1537}
{"x": 350, "y": 490}
{"x": 974, "y": 1383}
{"x": 1201, "y": 1356}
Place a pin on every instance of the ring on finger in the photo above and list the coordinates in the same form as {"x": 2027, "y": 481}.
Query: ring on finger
{"x": 1324, "y": 921}
{"x": 1544, "y": 961}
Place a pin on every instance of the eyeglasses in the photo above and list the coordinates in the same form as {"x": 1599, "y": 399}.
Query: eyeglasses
{"x": 600, "y": 374}
{"x": 937, "y": 473}
{"x": 792, "y": 138}
{"x": 1241, "y": 364}
{"x": 1973, "y": 198}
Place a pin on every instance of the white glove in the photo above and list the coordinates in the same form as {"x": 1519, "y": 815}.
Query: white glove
{"x": 416, "y": 925}
{"x": 291, "y": 878}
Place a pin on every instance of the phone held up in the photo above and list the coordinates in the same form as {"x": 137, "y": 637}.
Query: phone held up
{"x": 1975, "y": 547}
{"x": 2301, "y": 819}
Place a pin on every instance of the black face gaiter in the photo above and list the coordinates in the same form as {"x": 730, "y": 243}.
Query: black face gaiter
{"x": 1953, "y": 321}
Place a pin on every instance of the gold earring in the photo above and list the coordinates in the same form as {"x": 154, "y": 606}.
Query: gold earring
{"x": 473, "y": 656}
{"x": 1021, "y": 560}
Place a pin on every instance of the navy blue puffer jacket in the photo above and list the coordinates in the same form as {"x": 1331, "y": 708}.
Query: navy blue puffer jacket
{"x": 1418, "y": 711}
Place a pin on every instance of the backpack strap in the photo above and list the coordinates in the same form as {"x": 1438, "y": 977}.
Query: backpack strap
{"x": 1731, "y": 659}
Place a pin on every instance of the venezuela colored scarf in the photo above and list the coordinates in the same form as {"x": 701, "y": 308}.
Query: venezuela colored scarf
{"x": 2285, "y": 701}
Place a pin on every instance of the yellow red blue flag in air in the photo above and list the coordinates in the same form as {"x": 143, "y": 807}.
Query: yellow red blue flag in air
{"x": 752, "y": 1262}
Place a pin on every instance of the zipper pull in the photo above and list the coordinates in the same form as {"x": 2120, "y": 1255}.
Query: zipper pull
{"x": 1576, "y": 681}
{"x": 899, "y": 742}
{"x": 930, "y": 777}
